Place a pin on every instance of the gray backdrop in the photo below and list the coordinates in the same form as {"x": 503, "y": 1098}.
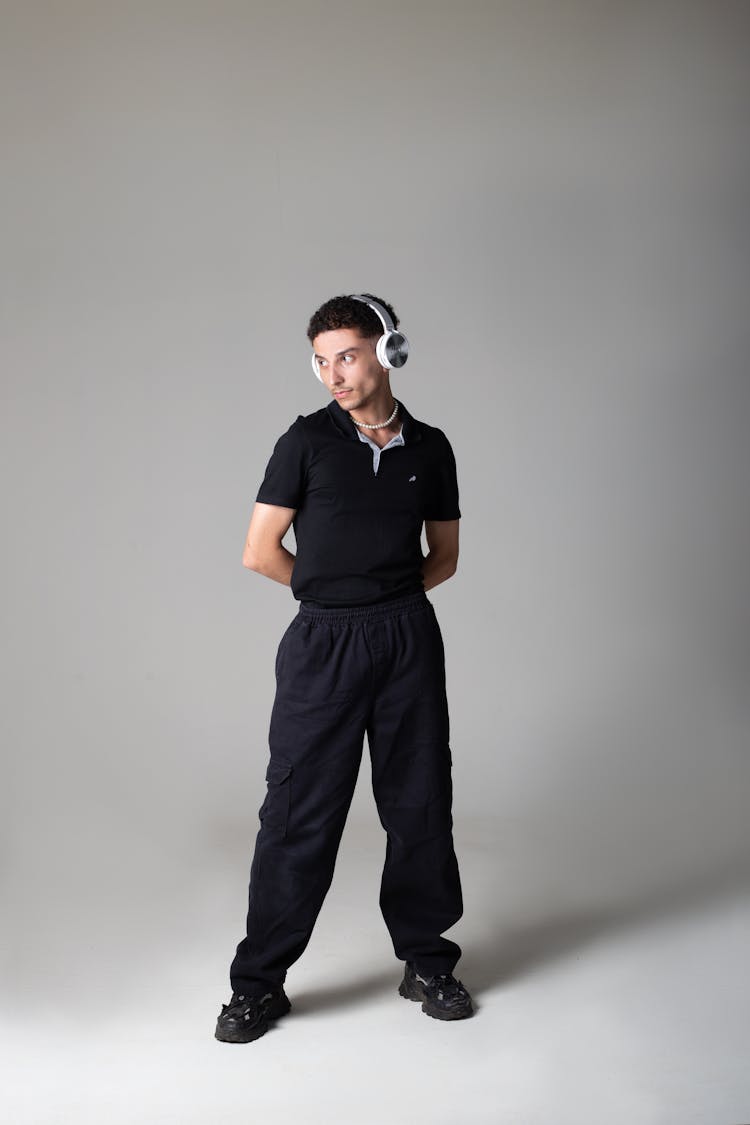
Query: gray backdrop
{"x": 554, "y": 196}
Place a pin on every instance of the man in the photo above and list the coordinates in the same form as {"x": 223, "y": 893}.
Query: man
{"x": 358, "y": 480}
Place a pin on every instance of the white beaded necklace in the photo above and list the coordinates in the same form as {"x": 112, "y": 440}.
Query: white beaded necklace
{"x": 377, "y": 425}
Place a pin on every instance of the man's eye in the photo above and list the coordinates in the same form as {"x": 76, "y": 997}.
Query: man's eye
{"x": 347, "y": 358}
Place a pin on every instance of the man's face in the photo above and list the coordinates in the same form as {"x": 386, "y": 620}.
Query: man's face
{"x": 349, "y": 367}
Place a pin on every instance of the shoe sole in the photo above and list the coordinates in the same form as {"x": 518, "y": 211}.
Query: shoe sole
{"x": 274, "y": 1013}
{"x": 415, "y": 993}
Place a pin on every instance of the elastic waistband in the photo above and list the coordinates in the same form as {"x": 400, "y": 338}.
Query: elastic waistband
{"x": 378, "y": 612}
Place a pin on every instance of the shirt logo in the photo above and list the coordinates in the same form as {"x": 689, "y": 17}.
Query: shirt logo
{"x": 411, "y": 479}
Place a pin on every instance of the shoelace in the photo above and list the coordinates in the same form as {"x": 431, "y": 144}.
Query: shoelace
{"x": 240, "y": 1001}
{"x": 447, "y": 987}
{"x": 249, "y": 1008}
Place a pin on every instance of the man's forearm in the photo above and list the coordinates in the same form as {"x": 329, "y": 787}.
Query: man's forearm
{"x": 277, "y": 565}
{"x": 437, "y": 568}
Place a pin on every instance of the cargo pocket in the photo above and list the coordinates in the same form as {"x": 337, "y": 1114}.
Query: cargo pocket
{"x": 274, "y": 812}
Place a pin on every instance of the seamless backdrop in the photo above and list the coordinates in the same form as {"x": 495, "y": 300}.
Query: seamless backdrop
{"x": 554, "y": 196}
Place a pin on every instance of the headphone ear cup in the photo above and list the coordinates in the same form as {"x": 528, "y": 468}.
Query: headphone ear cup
{"x": 392, "y": 349}
{"x": 381, "y": 353}
{"x": 316, "y": 369}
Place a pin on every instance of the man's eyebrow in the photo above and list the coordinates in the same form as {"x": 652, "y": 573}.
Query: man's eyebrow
{"x": 345, "y": 351}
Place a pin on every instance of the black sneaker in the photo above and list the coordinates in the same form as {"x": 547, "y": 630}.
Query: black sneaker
{"x": 246, "y": 1018}
{"x": 442, "y": 996}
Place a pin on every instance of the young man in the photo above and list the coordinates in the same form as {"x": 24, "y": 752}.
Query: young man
{"x": 358, "y": 479}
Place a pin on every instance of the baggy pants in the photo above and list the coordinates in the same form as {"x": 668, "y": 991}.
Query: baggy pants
{"x": 340, "y": 674}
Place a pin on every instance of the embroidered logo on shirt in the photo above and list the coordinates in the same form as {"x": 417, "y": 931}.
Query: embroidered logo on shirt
{"x": 411, "y": 479}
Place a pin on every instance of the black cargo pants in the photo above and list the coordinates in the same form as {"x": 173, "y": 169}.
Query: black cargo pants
{"x": 340, "y": 674}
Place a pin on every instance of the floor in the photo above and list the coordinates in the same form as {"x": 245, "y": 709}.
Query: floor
{"x": 629, "y": 1015}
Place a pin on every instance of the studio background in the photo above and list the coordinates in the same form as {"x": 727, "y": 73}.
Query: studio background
{"x": 554, "y": 197}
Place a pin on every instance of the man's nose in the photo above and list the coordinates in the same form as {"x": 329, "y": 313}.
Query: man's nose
{"x": 337, "y": 376}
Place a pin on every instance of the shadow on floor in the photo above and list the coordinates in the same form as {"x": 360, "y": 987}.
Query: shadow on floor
{"x": 517, "y": 950}
{"x": 353, "y": 991}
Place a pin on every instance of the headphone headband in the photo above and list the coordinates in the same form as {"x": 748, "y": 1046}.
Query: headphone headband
{"x": 380, "y": 312}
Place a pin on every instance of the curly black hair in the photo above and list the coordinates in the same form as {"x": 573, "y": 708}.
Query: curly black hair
{"x": 348, "y": 312}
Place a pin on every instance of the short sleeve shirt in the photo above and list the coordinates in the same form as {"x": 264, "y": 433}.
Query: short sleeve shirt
{"x": 358, "y": 532}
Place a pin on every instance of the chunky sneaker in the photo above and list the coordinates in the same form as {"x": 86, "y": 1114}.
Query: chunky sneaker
{"x": 246, "y": 1018}
{"x": 442, "y": 996}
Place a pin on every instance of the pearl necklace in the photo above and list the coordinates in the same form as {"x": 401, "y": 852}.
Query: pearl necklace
{"x": 377, "y": 425}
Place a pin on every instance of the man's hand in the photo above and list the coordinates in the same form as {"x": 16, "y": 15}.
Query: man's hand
{"x": 263, "y": 551}
{"x": 442, "y": 557}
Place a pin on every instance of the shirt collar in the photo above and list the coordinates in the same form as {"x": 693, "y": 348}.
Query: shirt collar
{"x": 343, "y": 422}
{"x": 397, "y": 439}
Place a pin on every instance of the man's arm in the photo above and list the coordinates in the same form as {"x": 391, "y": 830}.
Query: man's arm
{"x": 263, "y": 551}
{"x": 442, "y": 551}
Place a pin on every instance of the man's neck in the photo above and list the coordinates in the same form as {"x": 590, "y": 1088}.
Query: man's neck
{"x": 379, "y": 411}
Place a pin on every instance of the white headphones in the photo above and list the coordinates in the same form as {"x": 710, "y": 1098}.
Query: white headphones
{"x": 392, "y": 348}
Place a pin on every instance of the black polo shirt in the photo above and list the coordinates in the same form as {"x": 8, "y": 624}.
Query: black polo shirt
{"x": 359, "y": 532}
